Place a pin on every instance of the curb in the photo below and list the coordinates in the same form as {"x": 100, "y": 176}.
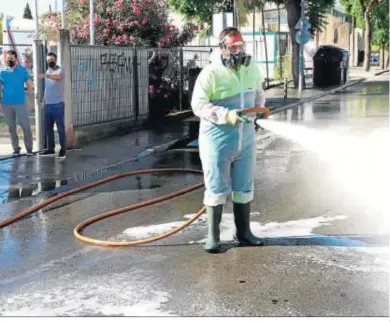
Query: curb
{"x": 381, "y": 72}
{"x": 309, "y": 99}
{"x": 142, "y": 125}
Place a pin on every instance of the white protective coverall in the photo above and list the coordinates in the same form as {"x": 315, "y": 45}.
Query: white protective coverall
{"x": 227, "y": 152}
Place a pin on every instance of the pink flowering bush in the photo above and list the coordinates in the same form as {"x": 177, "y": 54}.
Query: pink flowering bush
{"x": 143, "y": 23}
{"x": 49, "y": 23}
{"x": 127, "y": 22}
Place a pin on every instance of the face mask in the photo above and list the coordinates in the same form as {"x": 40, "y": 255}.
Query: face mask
{"x": 237, "y": 59}
{"x": 11, "y": 63}
{"x": 52, "y": 64}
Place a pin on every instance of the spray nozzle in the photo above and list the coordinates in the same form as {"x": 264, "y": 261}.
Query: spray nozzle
{"x": 243, "y": 117}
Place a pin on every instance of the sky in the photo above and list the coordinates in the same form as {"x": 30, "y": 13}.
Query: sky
{"x": 16, "y": 7}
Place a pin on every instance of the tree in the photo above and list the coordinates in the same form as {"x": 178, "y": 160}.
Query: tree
{"x": 201, "y": 11}
{"x": 119, "y": 22}
{"x": 132, "y": 22}
{"x": 380, "y": 20}
{"x": 363, "y": 11}
{"x": 27, "y": 12}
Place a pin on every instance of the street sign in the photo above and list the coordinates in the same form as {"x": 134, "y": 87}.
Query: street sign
{"x": 306, "y": 37}
{"x": 298, "y": 25}
{"x": 306, "y": 32}
{"x": 306, "y": 24}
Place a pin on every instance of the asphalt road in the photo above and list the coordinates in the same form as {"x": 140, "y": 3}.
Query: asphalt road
{"x": 326, "y": 250}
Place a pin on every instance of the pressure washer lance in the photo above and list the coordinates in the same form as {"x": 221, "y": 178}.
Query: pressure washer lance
{"x": 264, "y": 111}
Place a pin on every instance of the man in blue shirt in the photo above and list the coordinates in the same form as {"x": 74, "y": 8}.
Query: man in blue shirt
{"x": 54, "y": 107}
{"x": 13, "y": 103}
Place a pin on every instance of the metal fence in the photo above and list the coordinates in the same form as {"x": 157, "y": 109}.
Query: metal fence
{"x": 121, "y": 82}
{"x": 272, "y": 53}
{"x": 103, "y": 85}
{"x": 106, "y": 86}
{"x": 169, "y": 77}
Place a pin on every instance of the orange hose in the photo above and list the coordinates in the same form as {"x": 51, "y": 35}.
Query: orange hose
{"x": 82, "y": 225}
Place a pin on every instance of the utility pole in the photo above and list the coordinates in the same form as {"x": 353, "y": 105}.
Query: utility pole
{"x": 301, "y": 46}
{"x": 36, "y": 21}
{"x": 235, "y": 14}
{"x": 37, "y": 58}
{"x": 63, "y": 13}
{"x": 91, "y": 24}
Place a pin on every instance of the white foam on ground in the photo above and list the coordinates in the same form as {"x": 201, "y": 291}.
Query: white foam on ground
{"x": 301, "y": 227}
{"x": 112, "y": 294}
{"x": 148, "y": 231}
{"x": 358, "y": 259}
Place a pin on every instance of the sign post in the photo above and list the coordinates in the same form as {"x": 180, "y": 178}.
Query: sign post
{"x": 302, "y": 37}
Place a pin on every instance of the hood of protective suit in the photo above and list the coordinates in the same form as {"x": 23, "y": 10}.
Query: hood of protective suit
{"x": 215, "y": 57}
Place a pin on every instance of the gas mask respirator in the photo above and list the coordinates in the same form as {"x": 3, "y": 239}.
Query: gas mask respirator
{"x": 237, "y": 57}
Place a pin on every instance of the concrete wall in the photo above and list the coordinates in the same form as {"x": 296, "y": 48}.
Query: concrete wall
{"x": 336, "y": 33}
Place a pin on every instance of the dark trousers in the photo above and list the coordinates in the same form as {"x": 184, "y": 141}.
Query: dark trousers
{"x": 55, "y": 113}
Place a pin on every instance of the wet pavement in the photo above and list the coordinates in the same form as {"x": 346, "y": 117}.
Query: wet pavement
{"x": 23, "y": 177}
{"x": 325, "y": 253}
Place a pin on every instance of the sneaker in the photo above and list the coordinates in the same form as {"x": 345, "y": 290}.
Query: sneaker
{"x": 16, "y": 154}
{"x": 29, "y": 153}
{"x": 61, "y": 155}
{"x": 47, "y": 153}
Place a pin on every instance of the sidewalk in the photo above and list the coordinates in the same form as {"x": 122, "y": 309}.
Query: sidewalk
{"x": 29, "y": 176}
{"x": 276, "y": 102}
{"x": 113, "y": 150}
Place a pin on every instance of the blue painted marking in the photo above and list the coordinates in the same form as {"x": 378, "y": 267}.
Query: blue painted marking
{"x": 319, "y": 240}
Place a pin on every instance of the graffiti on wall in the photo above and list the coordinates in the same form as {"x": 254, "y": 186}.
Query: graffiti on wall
{"x": 113, "y": 70}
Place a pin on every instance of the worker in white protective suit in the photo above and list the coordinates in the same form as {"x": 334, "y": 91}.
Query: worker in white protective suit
{"x": 227, "y": 144}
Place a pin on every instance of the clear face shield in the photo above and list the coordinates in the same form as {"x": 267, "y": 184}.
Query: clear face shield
{"x": 234, "y": 53}
{"x": 235, "y": 48}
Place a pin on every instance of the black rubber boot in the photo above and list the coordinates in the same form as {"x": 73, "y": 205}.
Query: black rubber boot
{"x": 243, "y": 231}
{"x": 214, "y": 216}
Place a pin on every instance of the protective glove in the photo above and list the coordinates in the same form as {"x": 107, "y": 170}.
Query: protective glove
{"x": 234, "y": 116}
